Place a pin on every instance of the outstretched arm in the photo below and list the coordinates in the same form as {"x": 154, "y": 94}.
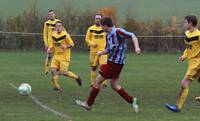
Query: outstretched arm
{"x": 136, "y": 44}
{"x": 131, "y": 35}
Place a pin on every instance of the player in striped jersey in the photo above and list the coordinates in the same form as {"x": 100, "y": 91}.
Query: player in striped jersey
{"x": 115, "y": 48}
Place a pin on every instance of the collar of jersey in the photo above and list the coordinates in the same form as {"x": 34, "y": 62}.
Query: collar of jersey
{"x": 113, "y": 30}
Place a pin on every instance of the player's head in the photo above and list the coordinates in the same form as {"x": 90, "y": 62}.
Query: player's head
{"x": 59, "y": 26}
{"x": 97, "y": 19}
{"x": 51, "y": 15}
{"x": 106, "y": 23}
{"x": 190, "y": 21}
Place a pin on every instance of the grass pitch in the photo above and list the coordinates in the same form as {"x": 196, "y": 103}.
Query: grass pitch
{"x": 153, "y": 78}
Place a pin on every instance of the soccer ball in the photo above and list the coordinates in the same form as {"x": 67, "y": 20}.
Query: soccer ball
{"x": 24, "y": 89}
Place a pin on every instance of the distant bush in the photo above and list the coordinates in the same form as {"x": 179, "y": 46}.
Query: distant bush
{"x": 77, "y": 22}
{"x": 156, "y": 27}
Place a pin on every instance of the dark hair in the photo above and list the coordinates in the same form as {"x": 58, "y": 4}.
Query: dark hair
{"x": 60, "y": 22}
{"x": 51, "y": 10}
{"x": 106, "y": 21}
{"x": 192, "y": 19}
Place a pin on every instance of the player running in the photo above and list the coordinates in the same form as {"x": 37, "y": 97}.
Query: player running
{"x": 192, "y": 54}
{"x": 115, "y": 48}
{"x": 61, "y": 43}
{"x": 96, "y": 40}
{"x": 49, "y": 25}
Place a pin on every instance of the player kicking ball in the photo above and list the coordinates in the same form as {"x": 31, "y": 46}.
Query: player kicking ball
{"x": 192, "y": 54}
{"x": 116, "y": 48}
{"x": 61, "y": 43}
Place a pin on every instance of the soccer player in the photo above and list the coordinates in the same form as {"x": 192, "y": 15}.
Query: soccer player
{"x": 96, "y": 40}
{"x": 49, "y": 25}
{"x": 61, "y": 43}
{"x": 192, "y": 54}
{"x": 115, "y": 48}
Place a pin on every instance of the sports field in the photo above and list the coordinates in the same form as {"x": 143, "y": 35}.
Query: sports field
{"x": 153, "y": 78}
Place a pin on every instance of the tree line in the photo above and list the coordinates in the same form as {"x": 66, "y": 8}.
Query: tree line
{"x": 77, "y": 22}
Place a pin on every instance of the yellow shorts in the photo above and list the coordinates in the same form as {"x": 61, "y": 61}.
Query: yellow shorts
{"x": 97, "y": 60}
{"x": 60, "y": 63}
{"x": 193, "y": 72}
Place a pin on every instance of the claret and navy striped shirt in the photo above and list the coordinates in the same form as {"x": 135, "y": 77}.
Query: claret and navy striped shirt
{"x": 116, "y": 45}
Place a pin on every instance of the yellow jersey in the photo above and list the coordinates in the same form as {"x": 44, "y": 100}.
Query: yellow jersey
{"x": 96, "y": 35}
{"x": 192, "y": 41}
{"x": 58, "y": 39}
{"x": 49, "y": 25}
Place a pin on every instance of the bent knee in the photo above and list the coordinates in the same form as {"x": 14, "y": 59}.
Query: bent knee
{"x": 63, "y": 72}
{"x": 53, "y": 71}
{"x": 96, "y": 84}
{"x": 49, "y": 55}
{"x": 185, "y": 83}
{"x": 115, "y": 86}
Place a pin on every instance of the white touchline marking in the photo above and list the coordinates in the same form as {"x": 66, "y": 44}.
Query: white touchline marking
{"x": 42, "y": 105}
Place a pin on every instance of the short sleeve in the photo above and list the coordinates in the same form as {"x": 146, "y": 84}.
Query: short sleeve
{"x": 124, "y": 33}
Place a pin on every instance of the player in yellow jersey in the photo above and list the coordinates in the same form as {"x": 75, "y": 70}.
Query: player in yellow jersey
{"x": 49, "y": 25}
{"x": 61, "y": 43}
{"x": 96, "y": 40}
{"x": 192, "y": 54}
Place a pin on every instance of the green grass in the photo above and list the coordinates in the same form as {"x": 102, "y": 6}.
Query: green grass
{"x": 144, "y": 9}
{"x": 153, "y": 78}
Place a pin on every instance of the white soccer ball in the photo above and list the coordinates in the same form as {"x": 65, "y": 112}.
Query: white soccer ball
{"x": 24, "y": 89}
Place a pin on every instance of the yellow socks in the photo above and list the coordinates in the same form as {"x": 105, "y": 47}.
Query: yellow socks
{"x": 182, "y": 97}
{"x": 93, "y": 75}
{"x": 56, "y": 81}
{"x": 72, "y": 75}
